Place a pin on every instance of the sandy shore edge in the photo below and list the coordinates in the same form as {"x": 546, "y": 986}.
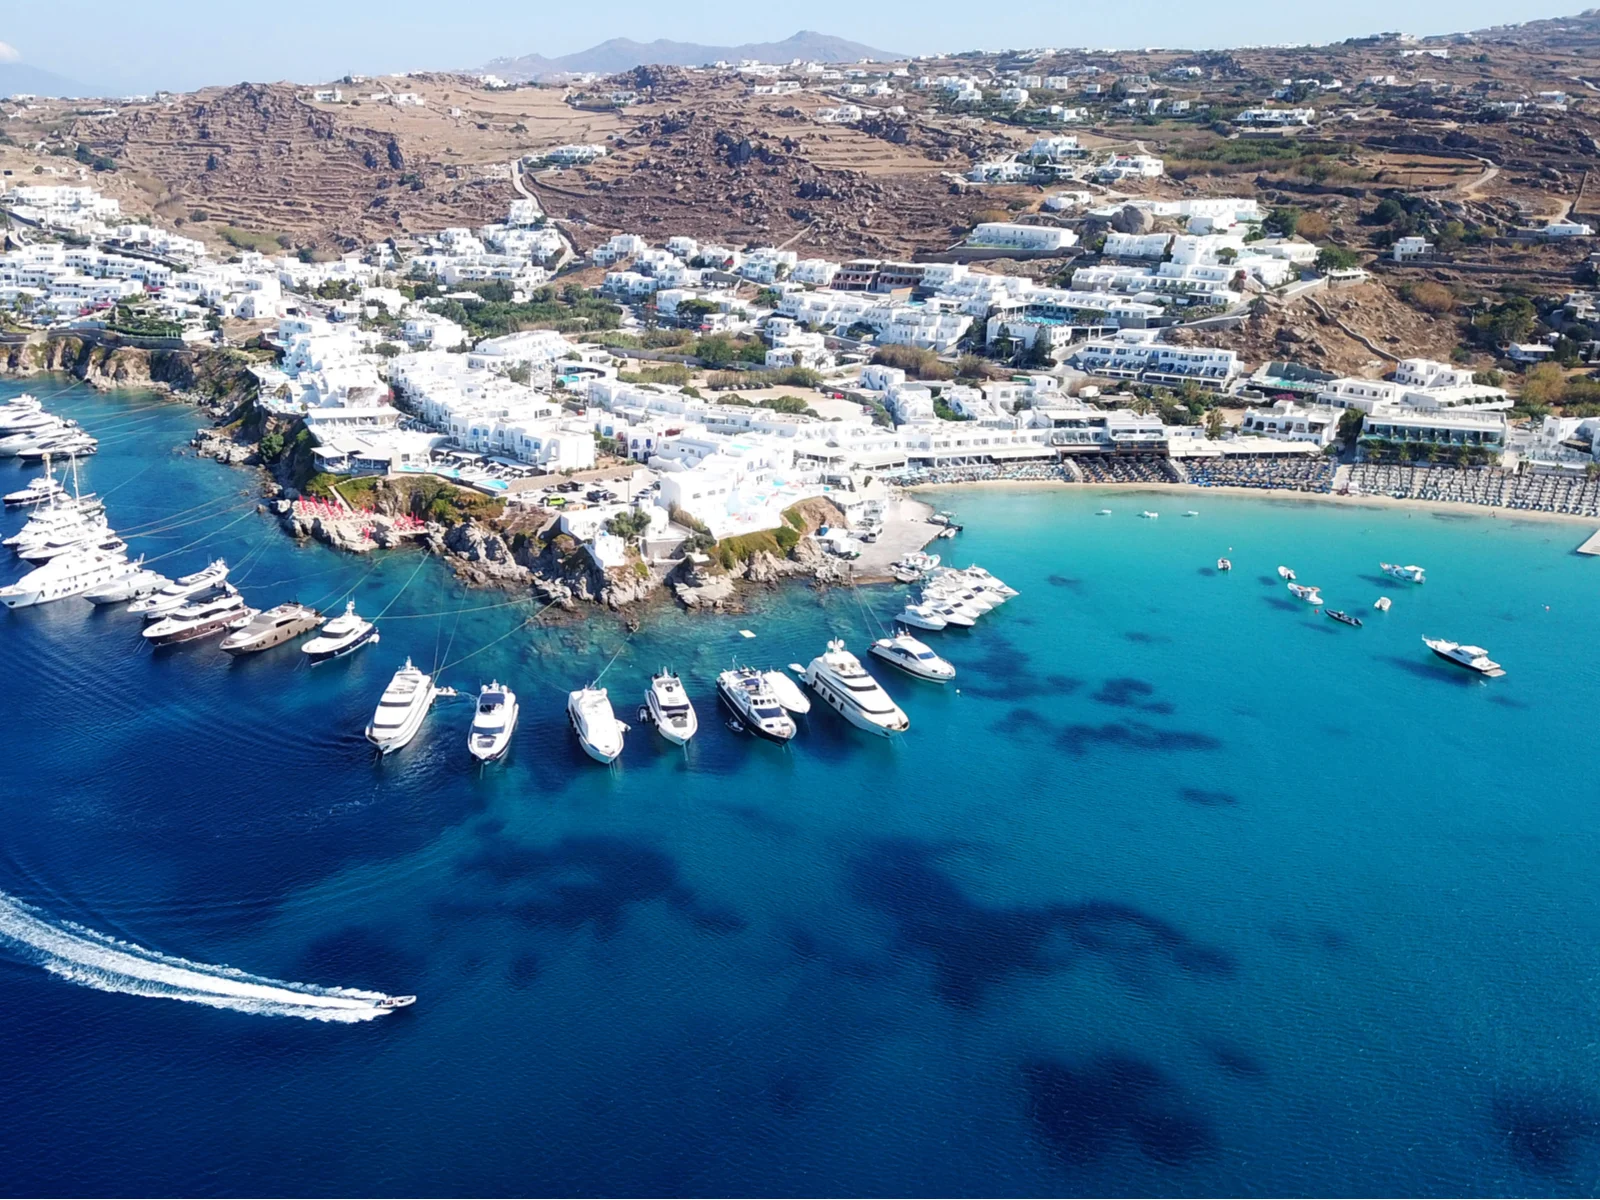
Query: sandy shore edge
{"x": 1188, "y": 489}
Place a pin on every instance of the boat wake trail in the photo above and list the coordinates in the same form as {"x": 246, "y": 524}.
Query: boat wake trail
{"x": 95, "y": 960}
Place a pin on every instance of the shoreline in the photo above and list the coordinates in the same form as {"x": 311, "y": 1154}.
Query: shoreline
{"x": 1490, "y": 511}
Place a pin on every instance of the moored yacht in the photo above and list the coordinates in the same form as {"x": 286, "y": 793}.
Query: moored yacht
{"x": 922, "y": 616}
{"x": 401, "y": 708}
{"x": 56, "y": 522}
{"x": 1409, "y": 574}
{"x": 668, "y": 707}
{"x": 18, "y": 408}
{"x": 787, "y": 691}
{"x": 958, "y": 615}
{"x": 1382, "y": 603}
{"x": 1474, "y": 658}
{"x": 751, "y": 698}
{"x": 177, "y": 593}
{"x": 72, "y": 441}
{"x": 345, "y": 634}
{"x": 1305, "y": 591}
{"x": 1285, "y": 573}
{"x": 599, "y": 732}
{"x": 493, "y": 722}
{"x": 200, "y": 619}
{"x": 843, "y": 683}
{"x": 913, "y": 657}
{"x": 68, "y": 575}
{"x": 139, "y": 581}
{"x": 978, "y": 575}
{"x": 1224, "y": 564}
{"x": 272, "y": 628}
{"x": 38, "y": 491}
{"x": 98, "y": 536}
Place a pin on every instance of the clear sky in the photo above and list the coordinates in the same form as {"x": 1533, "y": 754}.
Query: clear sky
{"x": 183, "y": 44}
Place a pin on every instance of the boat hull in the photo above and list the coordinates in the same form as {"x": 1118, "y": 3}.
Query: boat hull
{"x": 776, "y": 737}
{"x": 850, "y": 713}
{"x": 274, "y": 637}
{"x": 350, "y": 647}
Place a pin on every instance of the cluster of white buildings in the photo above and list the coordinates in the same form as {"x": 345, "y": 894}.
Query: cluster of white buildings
{"x": 79, "y": 210}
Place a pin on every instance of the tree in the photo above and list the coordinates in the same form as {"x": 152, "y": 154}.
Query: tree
{"x": 1389, "y": 211}
{"x": 1285, "y": 220}
{"x": 1542, "y": 386}
{"x": 1336, "y": 258}
{"x": 1350, "y": 425}
{"x": 1214, "y": 424}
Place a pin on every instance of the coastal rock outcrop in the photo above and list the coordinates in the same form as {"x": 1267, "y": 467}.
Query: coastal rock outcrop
{"x": 212, "y": 443}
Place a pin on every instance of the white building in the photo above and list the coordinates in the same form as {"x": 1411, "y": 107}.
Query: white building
{"x": 1010, "y": 236}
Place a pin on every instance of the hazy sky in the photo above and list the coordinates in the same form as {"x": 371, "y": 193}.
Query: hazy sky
{"x": 191, "y": 43}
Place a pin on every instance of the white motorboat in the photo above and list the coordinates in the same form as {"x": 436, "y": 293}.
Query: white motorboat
{"x": 1474, "y": 658}
{"x": 69, "y": 575}
{"x": 747, "y": 693}
{"x": 913, "y": 566}
{"x": 1148, "y": 515}
{"x": 139, "y": 581}
{"x": 493, "y": 723}
{"x": 979, "y": 575}
{"x": 178, "y": 593}
{"x": 1224, "y": 564}
{"x": 843, "y": 683}
{"x": 272, "y": 628}
{"x": 1382, "y": 603}
{"x": 1305, "y": 591}
{"x": 1193, "y": 512}
{"x": 1285, "y": 573}
{"x": 958, "y": 615}
{"x": 787, "y": 691}
{"x": 599, "y": 732}
{"x": 38, "y": 491}
{"x": 965, "y": 601}
{"x": 345, "y": 634}
{"x": 990, "y": 590}
{"x": 401, "y": 708}
{"x": 72, "y": 443}
{"x": 922, "y": 616}
{"x": 1104, "y": 512}
{"x": 913, "y": 657}
{"x": 200, "y": 619}
{"x": 1409, "y": 574}
{"x": 668, "y": 707}
{"x": 99, "y": 537}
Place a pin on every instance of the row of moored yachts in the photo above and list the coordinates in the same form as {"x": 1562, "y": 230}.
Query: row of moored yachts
{"x": 949, "y": 596}
{"x": 31, "y": 434}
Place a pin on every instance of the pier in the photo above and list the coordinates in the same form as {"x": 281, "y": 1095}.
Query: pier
{"x": 1592, "y": 545}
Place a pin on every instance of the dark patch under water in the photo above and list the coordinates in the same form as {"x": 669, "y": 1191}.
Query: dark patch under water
{"x": 1544, "y": 1132}
{"x": 1131, "y": 693}
{"x": 1007, "y": 675}
{"x": 1078, "y": 740}
{"x": 1147, "y": 639}
{"x": 1063, "y": 581}
{"x": 1235, "y": 1062}
{"x": 1114, "y": 1100}
{"x": 974, "y": 946}
{"x": 1205, "y": 798}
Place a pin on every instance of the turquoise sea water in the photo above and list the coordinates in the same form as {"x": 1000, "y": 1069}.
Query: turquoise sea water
{"x": 1181, "y": 888}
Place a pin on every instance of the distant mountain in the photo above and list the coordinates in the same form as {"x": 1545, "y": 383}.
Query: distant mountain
{"x": 19, "y": 77}
{"x": 623, "y": 54}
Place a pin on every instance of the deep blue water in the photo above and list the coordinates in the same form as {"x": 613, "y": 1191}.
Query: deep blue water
{"x": 1185, "y": 890}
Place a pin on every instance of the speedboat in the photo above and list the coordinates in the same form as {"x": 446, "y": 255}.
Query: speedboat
{"x": 955, "y": 592}
{"x": 913, "y": 657}
{"x": 747, "y": 692}
{"x": 788, "y": 691}
{"x": 922, "y": 616}
{"x": 986, "y": 587}
{"x": 180, "y": 590}
{"x": 1410, "y": 574}
{"x": 1305, "y": 591}
{"x": 1382, "y": 603}
{"x": 599, "y": 732}
{"x": 272, "y": 628}
{"x": 1346, "y": 618}
{"x": 493, "y": 722}
{"x": 839, "y": 678}
{"x": 1285, "y": 573}
{"x": 958, "y": 615}
{"x": 394, "y": 1002}
{"x": 68, "y": 575}
{"x": 1193, "y": 512}
{"x": 1148, "y": 515}
{"x": 139, "y": 581}
{"x": 345, "y": 634}
{"x": 401, "y": 708}
{"x": 200, "y": 619}
{"x": 1474, "y": 658}
{"x": 667, "y": 706}
{"x": 1104, "y": 512}
{"x": 40, "y": 490}
{"x": 978, "y": 575}
{"x": 1224, "y": 564}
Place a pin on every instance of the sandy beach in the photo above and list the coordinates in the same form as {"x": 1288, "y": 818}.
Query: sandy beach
{"x": 1189, "y": 489}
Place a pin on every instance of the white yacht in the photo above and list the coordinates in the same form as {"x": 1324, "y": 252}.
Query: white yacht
{"x": 599, "y": 732}
{"x": 787, "y": 691}
{"x": 1410, "y": 574}
{"x": 272, "y": 628}
{"x": 139, "y": 581}
{"x": 1305, "y": 591}
{"x": 177, "y": 593}
{"x": 200, "y": 619}
{"x": 913, "y": 657}
{"x": 55, "y": 521}
{"x": 345, "y": 634}
{"x": 843, "y": 683}
{"x": 747, "y": 692}
{"x": 957, "y": 593}
{"x": 979, "y": 575}
{"x": 922, "y": 616}
{"x": 38, "y": 491}
{"x": 1474, "y": 658}
{"x": 18, "y": 408}
{"x": 97, "y": 536}
{"x": 400, "y": 710}
{"x": 71, "y": 442}
{"x": 29, "y": 432}
{"x": 958, "y": 615}
{"x": 493, "y": 722}
{"x": 667, "y": 705}
{"x": 69, "y": 575}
